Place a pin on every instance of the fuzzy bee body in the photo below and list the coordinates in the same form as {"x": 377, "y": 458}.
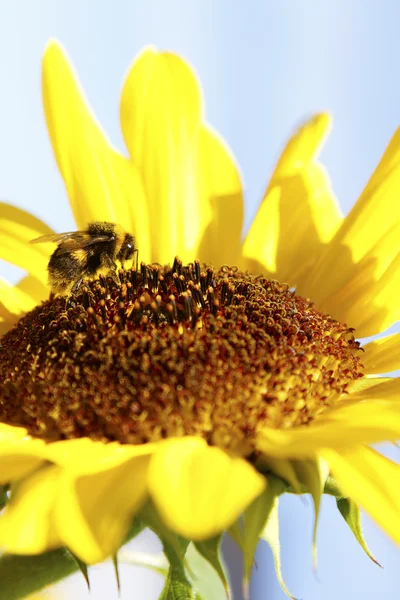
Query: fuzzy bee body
{"x": 84, "y": 254}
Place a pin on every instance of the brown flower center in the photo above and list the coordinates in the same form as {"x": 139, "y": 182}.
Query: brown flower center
{"x": 171, "y": 352}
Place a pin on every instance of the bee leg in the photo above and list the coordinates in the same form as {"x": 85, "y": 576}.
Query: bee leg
{"x": 112, "y": 270}
{"x": 71, "y": 298}
{"x": 76, "y": 286}
{"x": 114, "y": 276}
{"x": 136, "y": 253}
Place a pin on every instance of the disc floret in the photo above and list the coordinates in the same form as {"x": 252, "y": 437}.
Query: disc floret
{"x": 173, "y": 351}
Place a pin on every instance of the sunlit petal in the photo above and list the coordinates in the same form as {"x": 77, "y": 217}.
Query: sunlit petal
{"x": 372, "y": 481}
{"x": 18, "y": 457}
{"x": 94, "y": 510}
{"x": 33, "y": 288}
{"x": 383, "y": 355}
{"x": 13, "y": 303}
{"x": 188, "y": 174}
{"x": 101, "y": 184}
{"x": 221, "y": 186}
{"x": 26, "y": 525}
{"x": 299, "y": 213}
{"x": 17, "y": 228}
{"x": 199, "y": 490}
{"x": 356, "y": 278}
{"x": 343, "y": 427}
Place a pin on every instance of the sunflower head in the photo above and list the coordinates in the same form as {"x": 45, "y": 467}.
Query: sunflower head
{"x": 175, "y": 351}
{"x": 188, "y": 397}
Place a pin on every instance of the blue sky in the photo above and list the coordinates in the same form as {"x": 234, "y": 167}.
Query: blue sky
{"x": 264, "y": 66}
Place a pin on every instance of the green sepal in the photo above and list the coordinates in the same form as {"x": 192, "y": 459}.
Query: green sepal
{"x": 350, "y": 512}
{"x": 136, "y": 527}
{"x": 236, "y": 532}
{"x": 191, "y": 573}
{"x": 211, "y": 551}
{"x": 312, "y": 475}
{"x": 177, "y": 586}
{"x": 82, "y": 566}
{"x": 303, "y": 477}
{"x": 3, "y": 496}
{"x": 151, "y": 519}
{"x": 270, "y": 534}
{"x": 282, "y": 468}
{"x": 116, "y": 571}
{"x": 332, "y": 488}
{"x": 205, "y": 579}
{"x": 255, "y": 519}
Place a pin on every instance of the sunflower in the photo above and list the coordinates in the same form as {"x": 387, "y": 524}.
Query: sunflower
{"x": 218, "y": 375}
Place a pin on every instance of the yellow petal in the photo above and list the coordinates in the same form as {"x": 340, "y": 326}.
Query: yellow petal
{"x": 9, "y": 432}
{"x": 303, "y": 146}
{"x": 19, "y": 457}
{"x": 17, "y": 228}
{"x": 14, "y": 300}
{"x": 161, "y": 113}
{"x": 101, "y": 184}
{"x": 372, "y": 481}
{"x": 26, "y": 525}
{"x": 383, "y": 355}
{"x": 34, "y": 288}
{"x": 384, "y": 389}
{"x": 357, "y": 277}
{"x": 94, "y": 510}
{"x": 220, "y": 182}
{"x": 199, "y": 490}
{"x": 19, "y": 454}
{"x": 13, "y": 303}
{"x": 364, "y": 383}
{"x": 299, "y": 213}
{"x": 81, "y": 455}
{"x": 358, "y": 423}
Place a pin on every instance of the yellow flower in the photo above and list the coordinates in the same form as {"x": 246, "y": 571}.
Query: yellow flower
{"x": 201, "y": 392}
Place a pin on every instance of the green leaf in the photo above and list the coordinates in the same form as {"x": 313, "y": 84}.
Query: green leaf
{"x": 271, "y": 535}
{"x": 350, "y": 512}
{"x": 205, "y": 579}
{"x": 211, "y": 551}
{"x": 255, "y": 518}
{"x": 21, "y": 576}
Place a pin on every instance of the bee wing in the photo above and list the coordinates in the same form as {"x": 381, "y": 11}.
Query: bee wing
{"x": 72, "y": 244}
{"x": 58, "y": 237}
{"x": 72, "y": 240}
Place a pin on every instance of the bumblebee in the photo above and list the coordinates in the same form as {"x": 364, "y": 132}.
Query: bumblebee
{"x": 84, "y": 254}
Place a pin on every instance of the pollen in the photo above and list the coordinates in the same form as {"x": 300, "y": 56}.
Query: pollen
{"x": 173, "y": 351}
